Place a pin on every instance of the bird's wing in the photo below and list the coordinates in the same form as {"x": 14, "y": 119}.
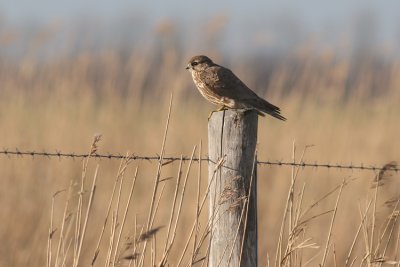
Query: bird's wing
{"x": 225, "y": 83}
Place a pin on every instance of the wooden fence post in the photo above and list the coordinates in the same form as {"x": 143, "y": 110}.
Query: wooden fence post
{"x": 232, "y": 136}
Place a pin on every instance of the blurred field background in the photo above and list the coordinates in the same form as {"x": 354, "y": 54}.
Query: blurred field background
{"x": 59, "y": 86}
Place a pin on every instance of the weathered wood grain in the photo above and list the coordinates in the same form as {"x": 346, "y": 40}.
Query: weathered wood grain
{"x": 232, "y": 135}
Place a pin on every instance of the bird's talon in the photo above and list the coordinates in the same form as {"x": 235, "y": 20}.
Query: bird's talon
{"x": 220, "y": 109}
{"x": 209, "y": 115}
{"x": 217, "y": 110}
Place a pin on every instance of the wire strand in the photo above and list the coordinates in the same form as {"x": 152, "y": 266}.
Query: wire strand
{"x": 59, "y": 154}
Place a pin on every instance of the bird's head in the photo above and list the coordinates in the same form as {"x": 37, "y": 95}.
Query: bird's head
{"x": 199, "y": 63}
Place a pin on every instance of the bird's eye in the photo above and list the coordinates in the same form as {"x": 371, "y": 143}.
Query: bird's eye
{"x": 195, "y": 63}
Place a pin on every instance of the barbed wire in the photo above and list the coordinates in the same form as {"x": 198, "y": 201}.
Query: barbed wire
{"x": 168, "y": 159}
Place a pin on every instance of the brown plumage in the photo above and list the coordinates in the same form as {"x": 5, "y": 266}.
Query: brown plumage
{"x": 221, "y": 87}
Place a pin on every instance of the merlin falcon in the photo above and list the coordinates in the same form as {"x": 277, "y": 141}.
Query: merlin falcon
{"x": 222, "y": 87}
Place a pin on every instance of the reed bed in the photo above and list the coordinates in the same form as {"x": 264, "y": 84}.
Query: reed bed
{"x": 340, "y": 109}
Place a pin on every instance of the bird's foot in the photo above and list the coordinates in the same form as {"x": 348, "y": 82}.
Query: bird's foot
{"x": 217, "y": 110}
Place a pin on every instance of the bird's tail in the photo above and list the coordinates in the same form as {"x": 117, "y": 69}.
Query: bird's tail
{"x": 264, "y": 106}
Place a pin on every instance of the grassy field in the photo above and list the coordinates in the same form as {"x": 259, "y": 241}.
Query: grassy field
{"x": 339, "y": 109}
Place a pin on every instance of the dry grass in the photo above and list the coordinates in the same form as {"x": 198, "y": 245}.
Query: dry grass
{"x": 143, "y": 213}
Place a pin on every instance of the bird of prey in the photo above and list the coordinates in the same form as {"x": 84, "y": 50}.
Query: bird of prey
{"x": 222, "y": 87}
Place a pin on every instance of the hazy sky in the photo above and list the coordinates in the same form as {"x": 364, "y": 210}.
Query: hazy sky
{"x": 243, "y": 17}
{"x": 312, "y": 11}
